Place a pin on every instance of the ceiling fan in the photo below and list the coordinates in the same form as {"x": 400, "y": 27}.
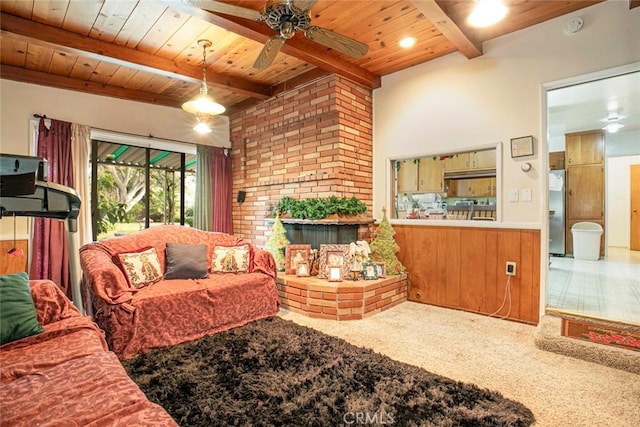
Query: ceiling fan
{"x": 287, "y": 17}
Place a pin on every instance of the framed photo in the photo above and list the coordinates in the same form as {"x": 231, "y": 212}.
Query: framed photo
{"x": 302, "y": 269}
{"x": 521, "y": 147}
{"x": 369, "y": 271}
{"x": 381, "y": 269}
{"x": 334, "y": 256}
{"x": 294, "y": 255}
{"x": 335, "y": 274}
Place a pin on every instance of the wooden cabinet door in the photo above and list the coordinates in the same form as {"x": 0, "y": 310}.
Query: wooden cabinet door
{"x": 430, "y": 175}
{"x": 485, "y": 159}
{"x": 584, "y": 148}
{"x": 585, "y": 192}
{"x": 457, "y": 162}
{"x": 481, "y": 187}
{"x": 464, "y": 187}
{"x": 556, "y": 160}
{"x": 407, "y": 176}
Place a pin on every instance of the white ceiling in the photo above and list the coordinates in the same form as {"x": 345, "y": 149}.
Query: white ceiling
{"x": 586, "y": 106}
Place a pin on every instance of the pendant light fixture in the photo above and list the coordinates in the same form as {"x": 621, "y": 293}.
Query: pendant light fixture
{"x": 203, "y": 105}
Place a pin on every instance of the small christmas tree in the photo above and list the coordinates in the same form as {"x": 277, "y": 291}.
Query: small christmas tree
{"x": 384, "y": 247}
{"x": 277, "y": 242}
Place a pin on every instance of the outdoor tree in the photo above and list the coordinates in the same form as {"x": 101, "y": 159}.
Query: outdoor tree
{"x": 384, "y": 247}
{"x": 277, "y": 242}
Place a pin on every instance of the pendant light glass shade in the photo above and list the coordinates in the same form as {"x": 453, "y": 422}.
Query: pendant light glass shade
{"x": 203, "y": 106}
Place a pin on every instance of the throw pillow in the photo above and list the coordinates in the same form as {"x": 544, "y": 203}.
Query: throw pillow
{"x": 186, "y": 261}
{"x": 18, "y": 317}
{"x": 231, "y": 259}
{"x": 141, "y": 267}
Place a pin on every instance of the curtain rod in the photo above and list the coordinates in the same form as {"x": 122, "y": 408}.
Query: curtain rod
{"x": 44, "y": 116}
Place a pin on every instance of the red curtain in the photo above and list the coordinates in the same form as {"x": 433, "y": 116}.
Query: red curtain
{"x": 222, "y": 196}
{"x": 50, "y": 252}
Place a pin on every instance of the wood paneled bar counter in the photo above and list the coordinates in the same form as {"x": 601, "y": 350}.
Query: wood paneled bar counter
{"x": 461, "y": 265}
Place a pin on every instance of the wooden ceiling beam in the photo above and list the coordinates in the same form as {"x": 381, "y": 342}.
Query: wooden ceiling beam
{"x": 77, "y": 44}
{"x": 298, "y": 47}
{"x": 61, "y": 82}
{"x": 452, "y": 31}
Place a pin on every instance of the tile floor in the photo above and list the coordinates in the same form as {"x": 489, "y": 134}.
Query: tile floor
{"x": 607, "y": 289}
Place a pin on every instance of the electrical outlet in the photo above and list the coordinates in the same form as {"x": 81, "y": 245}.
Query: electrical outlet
{"x": 511, "y": 268}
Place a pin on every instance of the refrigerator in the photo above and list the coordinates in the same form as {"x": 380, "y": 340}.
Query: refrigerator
{"x": 556, "y": 212}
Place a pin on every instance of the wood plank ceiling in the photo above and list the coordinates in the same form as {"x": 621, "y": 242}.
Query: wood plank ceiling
{"x": 147, "y": 50}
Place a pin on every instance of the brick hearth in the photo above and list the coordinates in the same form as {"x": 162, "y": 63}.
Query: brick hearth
{"x": 347, "y": 300}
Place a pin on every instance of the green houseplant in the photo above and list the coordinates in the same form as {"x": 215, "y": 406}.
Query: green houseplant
{"x": 320, "y": 208}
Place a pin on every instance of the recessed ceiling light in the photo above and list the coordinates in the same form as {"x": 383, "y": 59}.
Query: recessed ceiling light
{"x": 407, "y": 42}
{"x": 613, "y": 127}
{"x": 487, "y": 12}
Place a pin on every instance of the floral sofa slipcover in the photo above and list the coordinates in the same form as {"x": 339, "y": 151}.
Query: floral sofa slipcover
{"x": 171, "y": 311}
{"x": 66, "y": 375}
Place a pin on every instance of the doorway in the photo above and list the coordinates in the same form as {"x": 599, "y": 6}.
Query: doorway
{"x": 609, "y": 288}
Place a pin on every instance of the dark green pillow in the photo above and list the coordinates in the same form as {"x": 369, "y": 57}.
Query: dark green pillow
{"x": 18, "y": 318}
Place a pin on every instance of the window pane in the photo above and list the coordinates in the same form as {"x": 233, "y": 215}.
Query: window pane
{"x": 122, "y": 202}
{"x": 121, "y": 189}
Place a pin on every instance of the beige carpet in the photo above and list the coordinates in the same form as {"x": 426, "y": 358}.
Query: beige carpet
{"x": 498, "y": 355}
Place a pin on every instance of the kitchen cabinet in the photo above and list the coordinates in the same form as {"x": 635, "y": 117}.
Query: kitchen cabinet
{"x": 457, "y": 162}
{"x": 430, "y": 175}
{"x": 584, "y": 148}
{"x": 407, "y": 176}
{"x": 556, "y": 160}
{"x": 472, "y": 187}
{"x": 484, "y": 159}
{"x": 584, "y": 182}
{"x": 422, "y": 175}
{"x": 471, "y": 161}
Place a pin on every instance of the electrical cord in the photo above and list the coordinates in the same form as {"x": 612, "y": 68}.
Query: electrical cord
{"x": 507, "y": 292}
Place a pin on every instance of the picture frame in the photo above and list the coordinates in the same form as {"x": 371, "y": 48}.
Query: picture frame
{"x": 334, "y": 256}
{"x": 302, "y": 269}
{"x": 522, "y": 146}
{"x": 381, "y": 269}
{"x": 295, "y": 254}
{"x": 335, "y": 274}
{"x": 369, "y": 271}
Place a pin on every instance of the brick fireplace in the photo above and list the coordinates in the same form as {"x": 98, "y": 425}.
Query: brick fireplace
{"x": 312, "y": 141}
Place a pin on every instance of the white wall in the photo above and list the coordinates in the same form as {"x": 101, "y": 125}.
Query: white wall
{"x": 454, "y": 103}
{"x": 20, "y": 101}
{"x": 619, "y": 200}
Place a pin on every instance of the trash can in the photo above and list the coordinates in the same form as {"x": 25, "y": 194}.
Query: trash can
{"x": 586, "y": 240}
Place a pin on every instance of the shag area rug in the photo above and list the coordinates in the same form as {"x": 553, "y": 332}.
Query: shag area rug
{"x": 273, "y": 372}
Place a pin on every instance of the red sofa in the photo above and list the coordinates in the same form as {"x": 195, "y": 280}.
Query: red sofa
{"x": 66, "y": 375}
{"x": 172, "y": 311}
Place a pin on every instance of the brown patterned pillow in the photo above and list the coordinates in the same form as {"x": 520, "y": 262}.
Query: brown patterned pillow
{"x": 231, "y": 259}
{"x": 141, "y": 267}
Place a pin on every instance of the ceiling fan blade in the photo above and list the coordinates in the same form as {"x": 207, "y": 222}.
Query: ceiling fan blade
{"x": 337, "y": 41}
{"x": 226, "y": 8}
{"x": 303, "y": 5}
{"x": 269, "y": 52}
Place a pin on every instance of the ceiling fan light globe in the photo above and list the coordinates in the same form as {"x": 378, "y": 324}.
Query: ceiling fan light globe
{"x": 287, "y": 30}
{"x": 486, "y": 13}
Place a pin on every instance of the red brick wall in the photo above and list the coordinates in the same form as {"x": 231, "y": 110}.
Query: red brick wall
{"x": 312, "y": 141}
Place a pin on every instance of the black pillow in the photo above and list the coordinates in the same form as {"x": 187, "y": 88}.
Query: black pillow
{"x": 186, "y": 261}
